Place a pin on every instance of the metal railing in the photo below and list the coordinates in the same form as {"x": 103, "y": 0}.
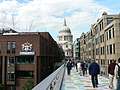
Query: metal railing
{"x": 53, "y": 81}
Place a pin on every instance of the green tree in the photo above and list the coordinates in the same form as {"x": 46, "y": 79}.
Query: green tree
{"x": 28, "y": 85}
{"x": 2, "y": 87}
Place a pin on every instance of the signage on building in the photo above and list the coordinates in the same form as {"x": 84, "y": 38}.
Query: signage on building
{"x": 27, "y": 49}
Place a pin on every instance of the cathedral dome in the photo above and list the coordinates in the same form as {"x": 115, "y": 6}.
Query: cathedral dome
{"x": 65, "y": 28}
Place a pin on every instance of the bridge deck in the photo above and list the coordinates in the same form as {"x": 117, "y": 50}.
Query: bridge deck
{"x": 77, "y": 82}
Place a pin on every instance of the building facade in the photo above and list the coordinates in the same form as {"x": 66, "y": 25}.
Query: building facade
{"x": 103, "y": 40}
{"x": 26, "y": 56}
{"x": 76, "y": 49}
{"x": 66, "y": 40}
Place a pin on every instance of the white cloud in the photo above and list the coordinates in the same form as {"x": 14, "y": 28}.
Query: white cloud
{"x": 50, "y": 13}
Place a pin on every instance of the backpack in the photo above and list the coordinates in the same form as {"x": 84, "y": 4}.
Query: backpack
{"x": 118, "y": 70}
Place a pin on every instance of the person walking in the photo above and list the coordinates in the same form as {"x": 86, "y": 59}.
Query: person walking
{"x": 69, "y": 67}
{"x": 117, "y": 75}
{"x": 83, "y": 68}
{"x": 94, "y": 70}
{"x": 76, "y": 66}
{"x": 111, "y": 68}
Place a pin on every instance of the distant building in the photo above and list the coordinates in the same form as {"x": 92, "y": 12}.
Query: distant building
{"x": 102, "y": 42}
{"x": 26, "y": 56}
{"x": 66, "y": 40}
{"x": 76, "y": 49}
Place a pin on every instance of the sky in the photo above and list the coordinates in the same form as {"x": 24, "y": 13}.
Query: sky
{"x": 48, "y": 15}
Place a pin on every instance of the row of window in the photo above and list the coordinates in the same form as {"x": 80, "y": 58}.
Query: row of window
{"x": 109, "y": 34}
{"x": 103, "y": 61}
{"x": 19, "y": 74}
{"x": 99, "y": 27}
{"x": 66, "y": 38}
{"x": 109, "y": 48}
{"x": 21, "y": 60}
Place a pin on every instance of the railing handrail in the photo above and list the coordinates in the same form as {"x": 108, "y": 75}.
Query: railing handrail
{"x": 45, "y": 84}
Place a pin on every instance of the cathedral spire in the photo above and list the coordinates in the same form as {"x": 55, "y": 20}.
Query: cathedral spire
{"x": 65, "y": 22}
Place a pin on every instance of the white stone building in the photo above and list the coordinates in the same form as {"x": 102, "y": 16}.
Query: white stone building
{"x": 66, "y": 40}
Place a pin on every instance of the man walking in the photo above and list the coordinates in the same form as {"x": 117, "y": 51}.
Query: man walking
{"x": 94, "y": 70}
{"x": 117, "y": 75}
{"x": 69, "y": 67}
{"x": 111, "y": 68}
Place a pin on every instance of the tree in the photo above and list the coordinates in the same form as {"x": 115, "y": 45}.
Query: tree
{"x": 1, "y": 86}
{"x": 28, "y": 85}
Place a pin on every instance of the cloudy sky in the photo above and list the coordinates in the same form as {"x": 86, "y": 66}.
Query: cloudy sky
{"x": 48, "y": 15}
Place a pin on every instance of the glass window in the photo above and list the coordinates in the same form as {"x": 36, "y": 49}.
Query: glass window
{"x": 25, "y": 60}
{"x": 103, "y": 50}
{"x": 13, "y": 44}
{"x": 11, "y": 60}
{"x": 11, "y": 76}
{"x": 107, "y": 49}
{"x": 24, "y": 74}
{"x": 114, "y": 48}
{"x": 66, "y": 46}
{"x": 110, "y": 49}
{"x": 8, "y": 45}
{"x": 113, "y": 32}
{"x": 109, "y": 34}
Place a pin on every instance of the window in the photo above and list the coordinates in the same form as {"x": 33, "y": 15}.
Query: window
{"x": 113, "y": 32}
{"x": 109, "y": 34}
{"x": 103, "y": 50}
{"x": 25, "y": 60}
{"x": 24, "y": 74}
{"x": 97, "y": 51}
{"x": 60, "y": 38}
{"x": 66, "y": 46}
{"x": 103, "y": 37}
{"x": 11, "y": 47}
{"x": 100, "y": 27}
{"x": 8, "y": 47}
{"x": 11, "y": 60}
{"x": 114, "y": 48}
{"x": 11, "y": 76}
{"x": 107, "y": 49}
{"x": 110, "y": 49}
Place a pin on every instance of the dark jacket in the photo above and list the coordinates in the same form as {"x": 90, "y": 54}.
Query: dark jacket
{"x": 69, "y": 65}
{"x": 111, "y": 68}
{"x": 94, "y": 69}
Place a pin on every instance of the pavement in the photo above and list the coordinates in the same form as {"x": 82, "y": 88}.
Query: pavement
{"x": 75, "y": 81}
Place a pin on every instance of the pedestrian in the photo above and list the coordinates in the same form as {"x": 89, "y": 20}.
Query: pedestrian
{"x": 117, "y": 75}
{"x": 69, "y": 67}
{"x": 111, "y": 68}
{"x": 76, "y": 66}
{"x": 94, "y": 70}
{"x": 86, "y": 67}
{"x": 83, "y": 68}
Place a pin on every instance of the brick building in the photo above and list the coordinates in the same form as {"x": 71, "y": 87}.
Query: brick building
{"x": 26, "y": 56}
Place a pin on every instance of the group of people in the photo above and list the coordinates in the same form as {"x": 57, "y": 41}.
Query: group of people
{"x": 114, "y": 74}
{"x": 94, "y": 70}
{"x": 71, "y": 64}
